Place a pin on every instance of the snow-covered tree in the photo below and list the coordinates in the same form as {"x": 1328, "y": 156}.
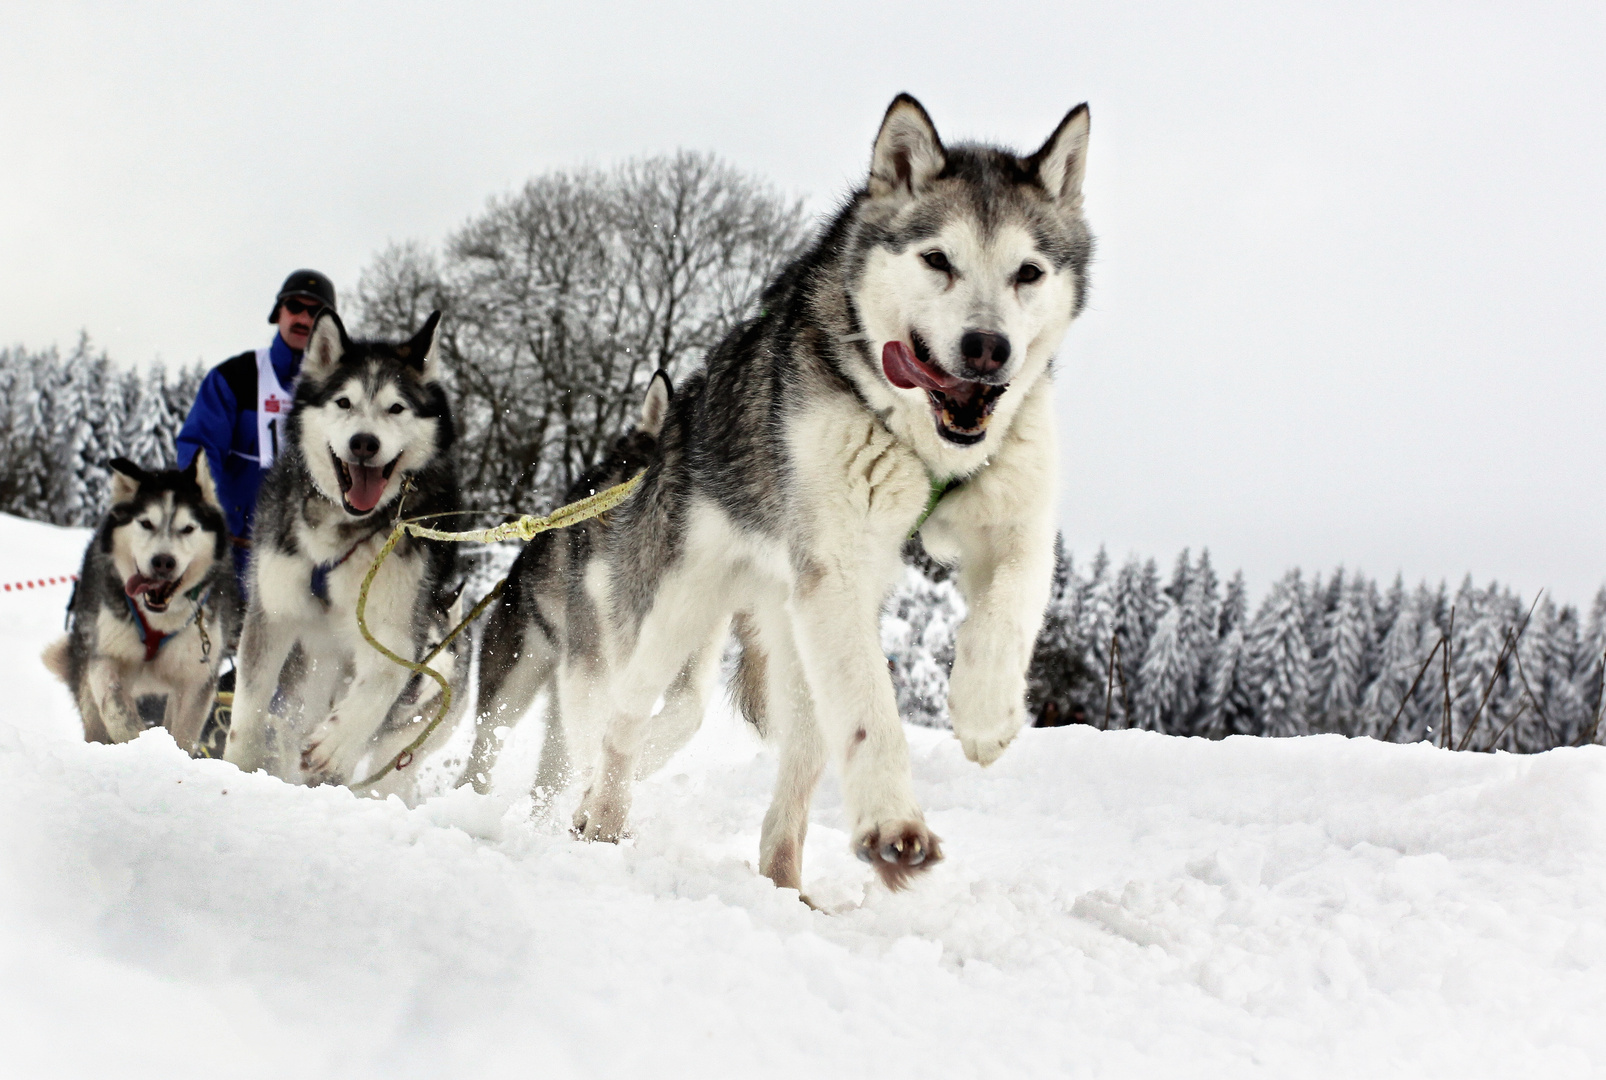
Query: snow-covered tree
{"x": 1235, "y": 606}
{"x": 1168, "y": 681}
{"x": 1055, "y": 682}
{"x": 918, "y": 625}
{"x": 1279, "y": 659}
{"x": 1403, "y": 652}
{"x": 146, "y": 435}
{"x": 1229, "y": 707}
{"x": 1340, "y": 671}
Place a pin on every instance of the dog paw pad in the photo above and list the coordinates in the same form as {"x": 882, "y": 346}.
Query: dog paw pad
{"x": 898, "y": 852}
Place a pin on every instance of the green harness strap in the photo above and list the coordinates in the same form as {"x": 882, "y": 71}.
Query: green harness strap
{"x": 940, "y": 489}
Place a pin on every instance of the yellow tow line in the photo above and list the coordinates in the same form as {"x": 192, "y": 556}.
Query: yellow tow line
{"x": 525, "y": 528}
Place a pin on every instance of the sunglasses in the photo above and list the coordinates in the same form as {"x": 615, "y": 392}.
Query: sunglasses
{"x": 302, "y": 307}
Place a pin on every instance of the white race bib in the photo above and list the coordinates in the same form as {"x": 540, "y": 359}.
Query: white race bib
{"x": 273, "y": 408}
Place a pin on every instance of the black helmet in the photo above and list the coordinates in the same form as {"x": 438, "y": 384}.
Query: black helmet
{"x": 304, "y": 283}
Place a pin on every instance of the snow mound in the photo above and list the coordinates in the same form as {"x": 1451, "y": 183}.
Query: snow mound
{"x": 1113, "y": 904}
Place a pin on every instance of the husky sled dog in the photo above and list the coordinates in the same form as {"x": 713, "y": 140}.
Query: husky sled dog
{"x": 369, "y": 420}
{"x": 898, "y": 367}
{"x": 543, "y": 633}
{"x": 155, "y": 608}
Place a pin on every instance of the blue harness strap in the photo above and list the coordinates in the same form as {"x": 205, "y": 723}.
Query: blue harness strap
{"x": 320, "y": 573}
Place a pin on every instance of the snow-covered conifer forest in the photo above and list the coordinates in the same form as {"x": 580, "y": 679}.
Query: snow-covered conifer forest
{"x": 1186, "y": 654}
{"x": 63, "y": 417}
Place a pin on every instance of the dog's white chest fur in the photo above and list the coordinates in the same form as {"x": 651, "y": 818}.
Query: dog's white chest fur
{"x": 854, "y": 475}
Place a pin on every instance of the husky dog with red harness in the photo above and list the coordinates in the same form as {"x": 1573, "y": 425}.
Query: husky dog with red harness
{"x": 154, "y": 610}
{"x": 370, "y": 433}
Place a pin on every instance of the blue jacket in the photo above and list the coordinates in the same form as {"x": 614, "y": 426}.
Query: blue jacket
{"x": 223, "y": 422}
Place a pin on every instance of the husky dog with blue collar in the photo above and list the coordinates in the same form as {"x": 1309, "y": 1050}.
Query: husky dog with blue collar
{"x": 896, "y": 379}
{"x": 369, "y": 436}
{"x": 154, "y": 609}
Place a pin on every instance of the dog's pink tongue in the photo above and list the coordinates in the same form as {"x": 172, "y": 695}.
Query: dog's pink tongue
{"x": 367, "y": 485}
{"x": 140, "y": 583}
{"x": 904, "y": 370}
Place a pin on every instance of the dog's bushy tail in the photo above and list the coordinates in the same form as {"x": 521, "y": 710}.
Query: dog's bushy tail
{"x": 55, "y": 657}
{"x": 747, "y": 685}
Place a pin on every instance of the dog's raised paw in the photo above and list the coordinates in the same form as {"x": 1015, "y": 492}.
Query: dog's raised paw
{"x": 899, "y": 850}
{"x": 984, "y": 751}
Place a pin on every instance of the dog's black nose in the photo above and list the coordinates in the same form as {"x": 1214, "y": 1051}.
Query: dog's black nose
{"x": 984, "y": 352}
{"x": 364, "y": 446}
{"x": 163, "y": 564}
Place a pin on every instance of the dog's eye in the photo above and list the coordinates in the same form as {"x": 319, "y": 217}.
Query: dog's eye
{"x": 343, "y": 402}
{"x": 147, "y": 526}
{"x": 186, "y": 530}
{"x": 397, "y": 408}
{"x": 938, "y": 261}
{"x": 1028, "y": 273}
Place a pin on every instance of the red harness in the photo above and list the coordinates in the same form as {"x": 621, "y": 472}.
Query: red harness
{"x": 154, "y": 639}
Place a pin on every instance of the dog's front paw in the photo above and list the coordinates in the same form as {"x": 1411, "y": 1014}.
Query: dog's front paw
{"x": 898, "y": 850}
{"x": 326, "y": 757}
{"x": 600, "y": 819}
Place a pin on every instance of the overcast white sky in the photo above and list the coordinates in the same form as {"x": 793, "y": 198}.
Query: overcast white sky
{"x": 1347, "y": 305}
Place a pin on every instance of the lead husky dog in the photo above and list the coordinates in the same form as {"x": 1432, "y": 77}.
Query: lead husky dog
{"x": 898, "y": 366}
{"x": 154, "y": 610}
{"x": 542, "y": 635}
{"x": 369, "y": 419}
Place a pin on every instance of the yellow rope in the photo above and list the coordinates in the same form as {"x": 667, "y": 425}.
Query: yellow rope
{"x": 525, "y": 528}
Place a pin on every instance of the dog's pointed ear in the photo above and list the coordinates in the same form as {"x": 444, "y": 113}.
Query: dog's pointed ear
{"x": 1059, "y": 165}
{"x": 126, "y": 479}
{"x": 327, "y": 346}
{"x": 908, "y": 154}
{"x": 200, "y": 471}
{"x": 420, "y": 352}
{"x": 660, "y": 392}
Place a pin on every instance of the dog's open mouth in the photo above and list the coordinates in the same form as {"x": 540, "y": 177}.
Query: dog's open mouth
{"x": 362, "y": 486}
{"x": 961, "y": 408}
{"x": 156, "y": 592}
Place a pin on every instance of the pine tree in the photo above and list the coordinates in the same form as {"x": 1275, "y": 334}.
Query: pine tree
{"x": 1480, "y": 691}
{"x": 1279, "y": 659}
{"x": 1339, "y": 673}
{"x": 1229, "y": 707}
{"x": 1235, "y": 606}
{"x": 1055, "y": 679}
{"x": 1168, "y": 682}
{"x": 1544, "y": 697}
{"x": 1400, "y": 660}
{"x": 33, "y": 449}
{"x": 146, "y": 439}
{"x": 1181, "y": 574}
{"x": 79, "y": 451}
{"x": 1095, "y": 621}
{"x": 1133, "y": 595}
{"x": 1589, "y": 669}
{"x": 1201, "y": 614}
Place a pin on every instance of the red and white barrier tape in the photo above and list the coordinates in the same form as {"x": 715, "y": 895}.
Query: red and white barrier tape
{"x": 38, "y": 583}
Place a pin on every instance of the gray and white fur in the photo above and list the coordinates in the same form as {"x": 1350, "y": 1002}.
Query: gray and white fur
{"x": 154, "y": 610}
{"x": 542, "y": 634}
{"x": 369, "y": 437}
{"x": 910, "y": 346}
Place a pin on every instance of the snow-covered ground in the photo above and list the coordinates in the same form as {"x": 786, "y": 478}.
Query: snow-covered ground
{"x": 1113, "y": 904}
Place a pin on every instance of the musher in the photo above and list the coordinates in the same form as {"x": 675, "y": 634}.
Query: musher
{"x": 239, "y": 413}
